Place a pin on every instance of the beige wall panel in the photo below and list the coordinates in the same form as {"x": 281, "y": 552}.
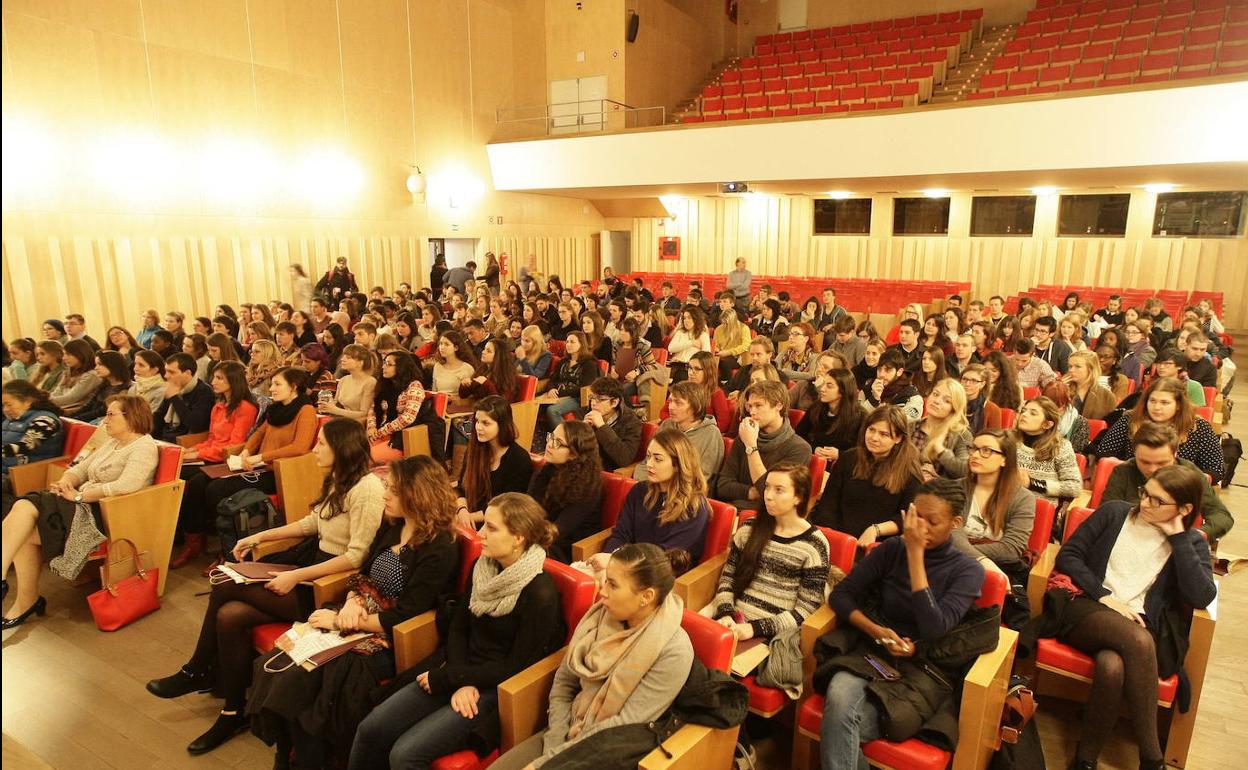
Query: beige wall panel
{"x": 118, "y": 17}
{"x": 374, "y": 44}
{"x": 121, "y": 91}
{"x": 597, "y": 30}
{"x": 199, "y": 94}
{"x": 51, "y": 82}
{"x": 300, "y": 36}
{"x": 216, "y": 28}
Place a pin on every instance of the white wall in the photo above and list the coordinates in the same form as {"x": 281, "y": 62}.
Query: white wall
{"x": 460, "y": 250}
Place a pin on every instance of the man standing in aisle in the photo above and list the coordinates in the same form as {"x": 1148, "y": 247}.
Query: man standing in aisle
{"x": 739, "y": 284}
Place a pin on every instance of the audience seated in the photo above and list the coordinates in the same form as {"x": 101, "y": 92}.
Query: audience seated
{"x": 1090, "y": 397}
{"x": 1171, "y": 363}
{"x": 534, "y": 358}
{"x": 232, "y": 418}
{"x": 797, "y": 360}
{"x": 689, "y": 337}
{"x": 686, "y": 405}
{"x": 396, "y": 407}
{"x": 1000, "y": 511}
{"x": 764, "y": 439}
{"x": 669, "y": 508}
{"x": 932, "y": 369}
{"x": 32, "y": 427}
{"x": 149, "y": 380}
{"x": 357, "y": 391}
{"x": 1071, "y": 425}
{"x": 454, "y": 362}
{"x": 892, "y": 386}
{"x": 618, "y": 430}
{"x": 1165, "y": 401}
{"x": 78, "y": 385}
{"x": 921, "y": 591}
{"x": 577, "y": 369}
{"x": 568, "y": 486}
{"x": 1045, "y": 458}
{"x": 509, "y": 618}
{"x": 39, "y": 525}
{"x": 1153, "y": 447}
{"x": 1130, "y": 566}
{"x": 413, "y": 561}
{"x": 943, "y": 436}
{"x": 832, "y": 424}
{"x": 981, "y": 412}
{"x": 872, "y": 484}
{"x": 1004, "y": 389}
{"x": 186, "y": 406}
{"x": 627, "y": 661}
{"x": 495, "y": 462}
{"x": 498, "y": 375}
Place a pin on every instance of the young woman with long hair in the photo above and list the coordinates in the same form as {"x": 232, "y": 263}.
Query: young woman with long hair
{"x": 355, "y": 392}
{"x": 1003, "y": 390}
{"x": 344, "y": 519}
{"x": 954, "y": 323}
{"x": 497, "y": 375}
{"x": 577, "y": 370}
{"x": 266, "y": 359}
{"x": 120, "y": 339}
{"x": 454, "y": 362}
{"x": 872, "y": 484}
{"x": 985, "y": 335}
{"x": 533, "y": 357}
{"x": 1070, "y": 331}
{"x": 412, "y": 561}
{"x": 832, "y": 425}
{"x": 22, "y": 358}
{"x": 732, "y": 338}
{"x": 196, "y": 346}
{"x": 1165, "y": 401}
{"x": 777, "y": 564}
{"x": 567, "y": 323}
{"x": 495, "y": 462}
{"x": 1135, "y": 567}
{"x": 1083, "y": 374}
{"x": 220, "y": 348}
{"x": 686, "y": 411}
{"x": 37, "y": 526}
{"x": 396, "y": 406}
{"x": 1045, "y": 459}
{"x": 690, "y": 338}
{"x": 510, "y": 617}
{"x": 931, "y": 371}
{"x": 1009, "y": 331}
{"x": 314, "y": 360}
{"x": 933, "y": 336}
{"x": 49, "y": 365}
{"x": 702, "y": 370}
{"x": 670, "y": 507}
{"x": 943, "y": 436}
{"x": 797, "y": 360}
{"x": 80, "y": 381}
{"x": 1110, "y": 358}
{"x": 632, "y": 357}
{"x": 1000, "y": 510}
{"x": 569, "y": 486}
{"x": 113, "y": 369}
{"x": 595, "y": 334}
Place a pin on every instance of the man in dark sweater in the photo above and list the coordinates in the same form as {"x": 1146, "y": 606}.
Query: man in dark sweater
{"x": 1156, "y": 446}
{"x": 1199, "y": 367}
{"x": 764, "y": 440}
{"x": 760, "y": 354}
{"x": 1053, "y": 351}
{"x": 188, "y": 402}
{"x": 1111, "y": 314}
{"x": 908, "y": 345}
{"x": 618, "y": 429}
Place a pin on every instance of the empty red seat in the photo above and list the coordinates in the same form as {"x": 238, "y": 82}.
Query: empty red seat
{"x": 752, "y": 87}
{"x": 853, "y": 94}
{"x": 1087, "y": 70}
{"x": 778, "y": 100}
{"x": 820, "y": 81}
{"x": 796, "y": 84}
{"x": 814, "y": 68}
{"x": 845, "y": 79}
{"x": 870, "y": 77}
{"x": 1133, "y": 47}
{"x": 1096, "y": 51}
{"x": 878, "y": 92}
{"x": 1033, "y": 59}
{"x": 790, "y": 71}
{"x": 1053, "y": 75}
{"x": 1161, "y": 43}
{"x": 827, "y": 96}
{"x": 1017, "y": 46}
{"x": 1049, "y": 89}
{"x": 1207, "y": 19}
{"x": 734, "y": 104}
{"x": 776, "y": 85}
{"x": 1138, "y": 29}
{"x": 1202, "y": 38}
{"x": 1065, "y": 56}
{"x": 757, "y": 102}
{"x": 1160, "y": 62}
{"x": 992, "y": 80}
{"x": 712, "y": 92}
{"x": 1023, "y": 78}
{"x": 903, "y": 90}
{"x": 1007, "y": 62}
{"x": 712, "y": 105}
{"x": 1119, "y": 67}
{"x": 1106, "y": 34}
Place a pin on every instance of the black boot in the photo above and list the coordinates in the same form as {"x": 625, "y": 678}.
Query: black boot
{"x": 186, "y": 681}
{"x": 225, "y": 728}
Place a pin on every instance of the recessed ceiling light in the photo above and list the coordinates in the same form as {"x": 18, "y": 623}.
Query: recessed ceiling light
{"x": 1160, "y": 187}
{"x": 1043, "y": 190}
{"x": 839, "y": 195}
{"x": 936, "y": 192}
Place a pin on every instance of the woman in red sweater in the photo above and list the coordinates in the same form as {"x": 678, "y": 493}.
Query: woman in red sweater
{"x": 231, "y": 419}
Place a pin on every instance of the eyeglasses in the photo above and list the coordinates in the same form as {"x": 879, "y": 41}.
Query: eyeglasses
{"x": 557, "y": 443}
{"x": 986, "y": 451}
{"x": 973, "y": 380}
{"x": 796, "y": 333}
{"x": 695, "y": 368}
{"x": 599, "y": 398}
{"x": 114, "y": 414}
{"x": 1152, "y": 501}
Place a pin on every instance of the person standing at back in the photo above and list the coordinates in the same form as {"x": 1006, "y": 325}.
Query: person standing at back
{"x": 739, "y": 283}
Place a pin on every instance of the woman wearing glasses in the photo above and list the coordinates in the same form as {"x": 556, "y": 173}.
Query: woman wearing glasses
{"x": 1135, "y": 569}
{"x": 981, "y": 413}
{"x": 39, "y": 524}
{"x": 797, "y": 361}
{"x": 1000, "y": 511}
{"x": 569, "y": 486}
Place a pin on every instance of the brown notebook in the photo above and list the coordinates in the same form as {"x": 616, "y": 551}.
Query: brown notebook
{"x": 257, "y": 571}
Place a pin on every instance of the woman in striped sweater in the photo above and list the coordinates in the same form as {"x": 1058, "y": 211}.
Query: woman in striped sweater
{"x": 1045, "y": 459}
{"x": 777, "y": 565}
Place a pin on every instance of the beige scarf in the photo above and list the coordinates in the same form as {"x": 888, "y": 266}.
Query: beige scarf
{"x": 610, "y": 659}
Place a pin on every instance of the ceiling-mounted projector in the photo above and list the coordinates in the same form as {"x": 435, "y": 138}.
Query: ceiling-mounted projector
{"x": 734, "y": 187}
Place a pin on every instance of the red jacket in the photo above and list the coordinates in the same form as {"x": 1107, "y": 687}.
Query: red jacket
{"x": 226, "y": 430}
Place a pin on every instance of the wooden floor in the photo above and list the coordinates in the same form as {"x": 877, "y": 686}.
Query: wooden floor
{"x": 73, "y": 697}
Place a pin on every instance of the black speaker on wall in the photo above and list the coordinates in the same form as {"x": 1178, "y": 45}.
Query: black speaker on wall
{"x": 634, "y": 23}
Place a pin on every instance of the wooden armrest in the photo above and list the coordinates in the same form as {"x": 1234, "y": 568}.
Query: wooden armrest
{"x": 522, "y": 699}
{"x": 694, "y": 747}
{"x": 583, "y": 549}
{"x": 189, "y": 440}
{"x": 983, "y": 696}
{"x": 524, "y": 414}
{"x": 298, "y": 481}
{"x": 818, "y": 623}
{"x": 1081, "y": 500}
{"x": 697, "y": 586}
{"x": 331, "y": 588}
{"x": 416, "y": 441}
{"x": 232, "y": 449}
{"x": 1182, "y": 724}
{"x": 148, "y": 518}
{"x": 626, "y": 471}
{"x": 1038, "y": 578}
{"x": 269, "y": 547}
{"x": 585, "y": 396}
{"x": 33, "y": 477}
{"x": 657, "y": 399}
{"x": 414, "y": 640}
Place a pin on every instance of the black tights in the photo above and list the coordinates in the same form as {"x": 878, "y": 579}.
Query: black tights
{"x": 225, "y": 637}
{"x": 1126, "y": 670}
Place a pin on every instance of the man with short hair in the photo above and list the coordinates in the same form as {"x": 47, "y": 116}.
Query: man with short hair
{"x": 639, "y": 286}
{"x": 1112, "y": 314}
{"x": 365, "y": 334}
{"x": 739, "y": 284}
{"x": 760, "y": 299}
{"x": 669, "y": 299}
{"x": 1033, "y": 372}
{"x": 284, "y": 335}
{"x": 338, "y": 282}
{"x": 1199, "y": 367}
{"x": 759, "y": 354}
{"x": 188, "y": 401}
{"x": 955, "y": 300}
{"x": 617, "y": 428}
{"x": 458, "y": 277}
{"x": 547, "y": 311}
{"x": 764, "y": 439}
{"x": 829, "y": 313}
{"x": 1154, "y": 446}
{"x": 477, "y": 336}
{"x": 974, "y": 311}
{"x": 963, "y": 355}
{"x": 76, "y": 328}
{"x": 319, "y": 316}
{"x": 647, "y": 330}
{"x": 1171, "y": 363}
{"x": 996, "y": 308}
{"x": 1053, "y": 351}
{"x": 845, "y": 340}
{"x": 908, "y": 345}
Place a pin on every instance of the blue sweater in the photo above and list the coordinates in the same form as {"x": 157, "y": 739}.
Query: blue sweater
{"x": 1187, "y": 576}
{"x": 637, "y": 524}
{"x": 954, "y": 581}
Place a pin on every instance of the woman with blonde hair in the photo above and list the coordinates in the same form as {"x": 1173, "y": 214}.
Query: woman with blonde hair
{"x": 943, "y": 436}
{"x": 669, "y": 508}
{"x": 1070, "y": 330}
{"x": 533, "y": 358}
{"x": 732, "y": 338}
{"x": 264, "y": 363}
{"x": 1083, "y": 374}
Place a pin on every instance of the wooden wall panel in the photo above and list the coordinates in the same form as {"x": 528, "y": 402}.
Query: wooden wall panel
{"x": 774, "y": 234}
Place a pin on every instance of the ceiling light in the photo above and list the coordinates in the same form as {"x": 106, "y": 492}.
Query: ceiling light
{"x": 839, "y": 195}
{"x": 1161, "y": 187}
{"x": 1044, "y": 190}
{"x": 936, "y": 192}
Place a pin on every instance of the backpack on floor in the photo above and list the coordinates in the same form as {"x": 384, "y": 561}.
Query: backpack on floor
{"x": 243, "y": 513}
{"x": 1020, "y": 740}
{"x": 1232, "y": 450}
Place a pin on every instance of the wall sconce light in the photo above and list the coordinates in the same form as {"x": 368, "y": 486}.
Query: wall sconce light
{"x": 416, "y": 181}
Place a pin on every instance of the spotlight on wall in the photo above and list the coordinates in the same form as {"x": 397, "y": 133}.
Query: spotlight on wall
{"x": 32, "y": 160}
{"x": 1160, "y": 187}
{"x": 327, "y": 177}
{"x": 456, "y": 188}
{"x": 236, "y": 171}
{"x": 416, "y": 181}
{"x": 936, "y": 192}
{"x": 135, "y": 165}
{"x": 1044, "y": 190}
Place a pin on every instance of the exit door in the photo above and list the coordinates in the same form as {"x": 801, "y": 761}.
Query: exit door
{"x": 578, "y": 104}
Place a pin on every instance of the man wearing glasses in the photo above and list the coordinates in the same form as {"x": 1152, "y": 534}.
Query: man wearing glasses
{"x": 1154, "y": 447}
{"x": 618, "y": 429}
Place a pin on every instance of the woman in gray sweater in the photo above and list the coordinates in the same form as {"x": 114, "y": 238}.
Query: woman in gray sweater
{"x": 1000, "y": 511}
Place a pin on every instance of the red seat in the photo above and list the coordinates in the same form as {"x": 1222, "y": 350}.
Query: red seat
{"x": 1054, "y": 655}
{"x": 614, "y": 489}
{"x": 528, "y": 386}
{"x": 1095, "y": 427}
{"x": 718, "y": 528}
{"x": 1042, "y": 527}
{"x": 1030, "y": 393}
{"x": 1008, "y": 417}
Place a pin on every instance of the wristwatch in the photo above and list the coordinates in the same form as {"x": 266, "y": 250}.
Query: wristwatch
{"x": 78, "y": 498}
{"x": 749, "y": 450}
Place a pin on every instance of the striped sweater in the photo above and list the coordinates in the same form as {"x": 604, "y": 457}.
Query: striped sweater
{"x": 788, "y": 584}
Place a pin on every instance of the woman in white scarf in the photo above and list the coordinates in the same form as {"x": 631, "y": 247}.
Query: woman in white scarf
{"x": 628, "y": 658}
{"x": 511, "y": 617}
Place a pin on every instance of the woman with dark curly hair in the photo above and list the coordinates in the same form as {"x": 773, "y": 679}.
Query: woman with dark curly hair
{"x": 569, "y": 486}
{"x": 1004, "y": 390}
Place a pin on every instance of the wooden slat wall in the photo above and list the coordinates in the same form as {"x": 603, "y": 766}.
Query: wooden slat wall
{"x": 774, "y": 234}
